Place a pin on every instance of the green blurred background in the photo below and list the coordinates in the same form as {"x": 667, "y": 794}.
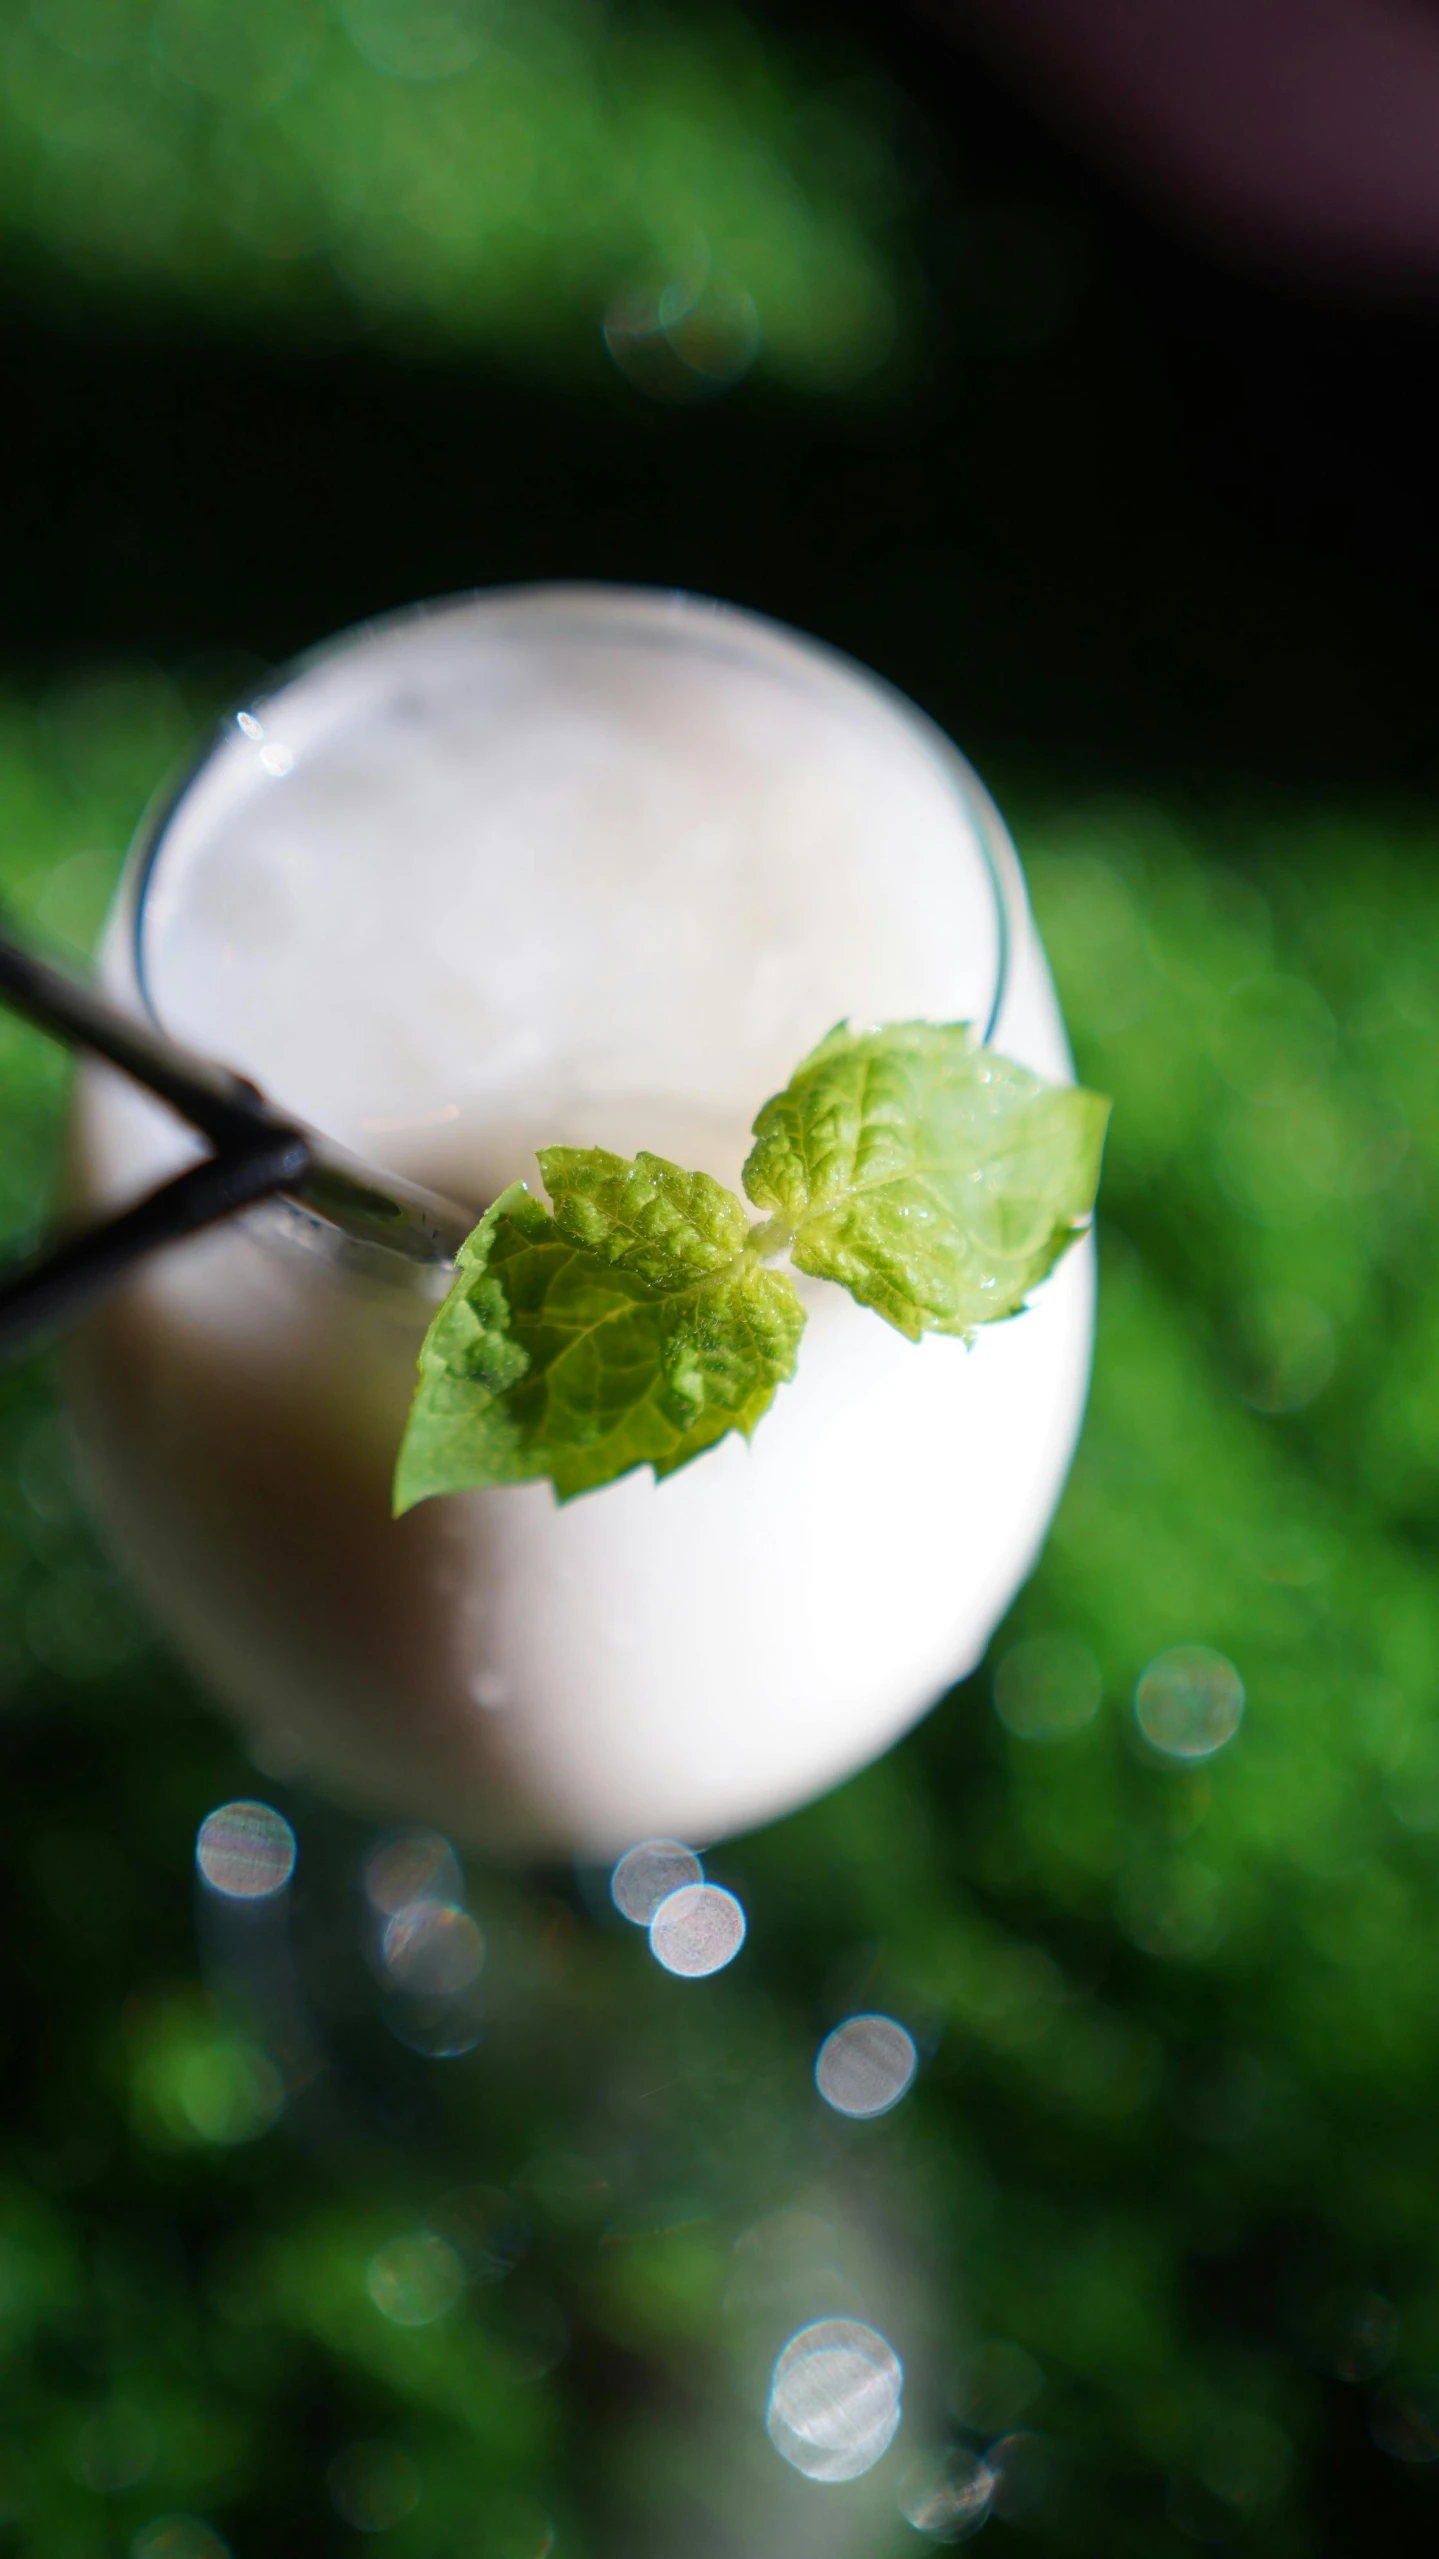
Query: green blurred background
{"x": 306, "y": 313}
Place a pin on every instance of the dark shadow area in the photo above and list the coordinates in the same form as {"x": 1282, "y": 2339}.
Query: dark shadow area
{"x": 1141, "y": 516}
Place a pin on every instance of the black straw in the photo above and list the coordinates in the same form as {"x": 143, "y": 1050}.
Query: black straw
{"x": 258, "y": 1152}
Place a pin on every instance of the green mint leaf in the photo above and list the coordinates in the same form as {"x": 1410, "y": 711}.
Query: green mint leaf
{"x": 633, "y": 1327}
{"x": 935, "y": 1181}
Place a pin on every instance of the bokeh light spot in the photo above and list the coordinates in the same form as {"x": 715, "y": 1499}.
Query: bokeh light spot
{"x": 1281, "y": 1351}
{"x": 1020, "y": 2466}
{"x": 115, "y": 2450}
{"x": 178, "y": 2537}
{"x": 515, "y": 2529}
{"x": 1358, "y": 2334}
{"x": 947, "y": 2496}
{"x": 486, "y": 2229}
{"x": 1276, "y": 1034}
{"x": 693, "y": 336}
{"x": 411, "y": 1866}
{"x": 1245, "y": 2461}
{"x": 1046, "y": 1688}
{"x": 865, "y": 2066}
{"x": 415, "y": 2279}
{"x": 436, "y": 2029}
{"x": 697, "y": 1930}
{"x": 648, "y": 1874}
{"x": 424, "y": 40}
{"x": 246, "y": 1851}
{"x": 1197, "y": 2512}
{"x": 1175, "y": 1907}
{"x": 373, "y": 2486}
{"x": 101, "y": 31}
{"x": 1189, "y": 1702}
{"x": 433, "y": 1950}
{"x": 227, "y": 2092}
{"x": 1404, "y": 2419}
{"x": 834, "y": 2402}
{"x": 534, "y": 2334}
{"x": 245, "y": 54}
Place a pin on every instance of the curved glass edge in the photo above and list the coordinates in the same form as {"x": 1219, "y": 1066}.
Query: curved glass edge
{"x": 646, "y": 604}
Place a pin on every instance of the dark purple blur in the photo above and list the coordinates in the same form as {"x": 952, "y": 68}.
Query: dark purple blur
{"x": 1302, "y": 133}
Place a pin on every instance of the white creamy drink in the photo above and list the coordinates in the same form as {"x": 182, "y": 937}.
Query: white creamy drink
{"x": 594, "y": 867}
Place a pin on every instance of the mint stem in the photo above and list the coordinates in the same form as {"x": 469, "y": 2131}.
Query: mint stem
{"x": 773, "y": 1236}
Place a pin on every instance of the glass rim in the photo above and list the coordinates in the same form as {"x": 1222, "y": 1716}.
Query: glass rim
{"x": 657, "y": 606}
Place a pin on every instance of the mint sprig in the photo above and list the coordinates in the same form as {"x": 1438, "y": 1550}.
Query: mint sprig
{"x": 635, "y": 1326}
{"x": 935, "y": 1181}
{"x": 636, "y": 1322}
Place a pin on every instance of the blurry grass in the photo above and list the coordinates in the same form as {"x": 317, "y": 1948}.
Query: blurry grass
{"x": 457, "y": 171}
{"x": 75, "y": 776}
{"x": 1177, "y": 2130}
{"x": 1192, "y": 2013}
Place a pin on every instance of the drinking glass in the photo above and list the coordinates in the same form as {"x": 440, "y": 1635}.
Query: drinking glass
{"x": 575, "y": 865}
